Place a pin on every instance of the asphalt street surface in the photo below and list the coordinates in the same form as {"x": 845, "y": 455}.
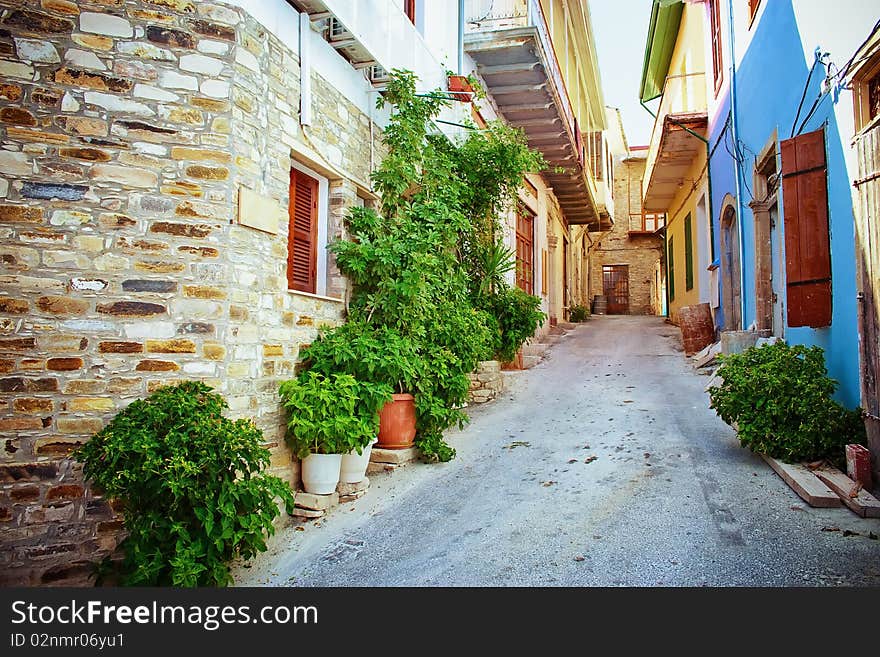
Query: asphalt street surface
{"x": 601, "y": 466}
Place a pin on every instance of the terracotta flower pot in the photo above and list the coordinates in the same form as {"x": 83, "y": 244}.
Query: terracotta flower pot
{"x": 460, "y": 87}
{"x": 397, "y": 423}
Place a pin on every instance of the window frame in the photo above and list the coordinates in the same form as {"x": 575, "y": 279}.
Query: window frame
{"x": 525, "y": 270}
{"x": 716, "y": 43}
{"x": 320, "y": 230}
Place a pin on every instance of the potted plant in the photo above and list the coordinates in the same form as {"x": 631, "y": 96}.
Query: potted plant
{"x": 379, "y": 355}
{"x": 329, "y": 416}
{"x": 461, "y": 87}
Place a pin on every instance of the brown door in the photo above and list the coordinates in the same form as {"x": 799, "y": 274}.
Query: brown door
{"x": 615, "y": 286}
{"x": 868, "y": 263}
{"x": 525, "y": 250}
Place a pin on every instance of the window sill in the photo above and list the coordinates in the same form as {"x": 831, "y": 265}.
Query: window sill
{"x": 319, "y": 297}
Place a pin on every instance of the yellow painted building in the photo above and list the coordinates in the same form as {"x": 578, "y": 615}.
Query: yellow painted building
{"x": 676, "y": 176}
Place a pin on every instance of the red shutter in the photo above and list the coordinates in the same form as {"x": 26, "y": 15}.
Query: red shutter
{"x": 807, "y": 239}
{"x": 302, "y": 238}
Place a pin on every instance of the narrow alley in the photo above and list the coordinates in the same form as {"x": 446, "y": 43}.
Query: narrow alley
{"x": 670, "y": 498}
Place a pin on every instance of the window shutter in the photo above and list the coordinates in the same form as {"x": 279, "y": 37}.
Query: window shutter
{"x": 302, "y": 238}
{"x": 688, "y": 254}
{"x": 671, "y": 281}
{"x": 807, "y": 238}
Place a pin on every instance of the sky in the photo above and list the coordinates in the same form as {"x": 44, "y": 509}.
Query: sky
{"x": 620, "y": 28}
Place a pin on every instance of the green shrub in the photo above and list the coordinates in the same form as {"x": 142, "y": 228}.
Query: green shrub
{"x": 192, "y": 485}
{"x": 518, "y": 317}
{"x": 332, "y": 414}
{"x": 579, "y": 314}
{"x": 779, "y": 396}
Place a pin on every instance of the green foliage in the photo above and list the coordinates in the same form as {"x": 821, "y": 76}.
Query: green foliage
{"x": 331, "y": 414}
{"x": 420, "y": 263}
{"x": 780, "y": 398}
{"x": 518, "y": 316}
{"x": 192, "y": 485}
{"x": 579, "y": 314}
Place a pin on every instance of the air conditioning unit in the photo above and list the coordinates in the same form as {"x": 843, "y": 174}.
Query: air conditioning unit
{"x": 377, "y": 74}
{"x": 337, "y": 31}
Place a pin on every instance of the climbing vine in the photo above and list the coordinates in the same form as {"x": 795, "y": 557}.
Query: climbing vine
{"x": 419, "y": 318}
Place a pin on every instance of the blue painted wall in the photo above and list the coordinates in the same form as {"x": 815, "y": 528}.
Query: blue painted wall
{"x": 723, "y": 182}
{"x": 769, "y": 85}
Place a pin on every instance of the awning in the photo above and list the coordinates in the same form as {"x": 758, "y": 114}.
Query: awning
{"x": 662, "y": 34}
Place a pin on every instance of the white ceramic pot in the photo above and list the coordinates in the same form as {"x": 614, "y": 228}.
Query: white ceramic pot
{"x": 320, "y": 473}
{"x": 354, "y": 465}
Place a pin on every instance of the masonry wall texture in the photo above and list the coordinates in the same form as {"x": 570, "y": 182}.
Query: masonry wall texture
{"x": 128, "y": 129}
{"x": 640, "y": 253}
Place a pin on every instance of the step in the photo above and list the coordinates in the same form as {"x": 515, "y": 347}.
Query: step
{"x": 558, "y": 330}
{"x": 568, "y": 326}
{"x": 534, "y": 349}
{"x": 530, "y": 361}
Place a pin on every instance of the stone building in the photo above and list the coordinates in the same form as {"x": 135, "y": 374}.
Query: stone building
{"x": 150, "y": 152}
{"x": 171, "y": 172}
{"x": 625, "y": 262}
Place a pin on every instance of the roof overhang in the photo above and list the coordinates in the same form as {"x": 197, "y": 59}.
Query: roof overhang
{"x": 662, "y": 35}
{"x": 514, "y": 68}
{"x": 675, "y": 154}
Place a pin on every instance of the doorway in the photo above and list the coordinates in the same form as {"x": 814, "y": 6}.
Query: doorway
{"x": 730, "y": 271}
{"x": 615, "y": 287}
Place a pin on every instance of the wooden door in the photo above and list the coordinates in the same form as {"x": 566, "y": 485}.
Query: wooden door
{"x": 525, "y": 250}
{"x": 868, "y": 263}
{"x": 615, "y": 287}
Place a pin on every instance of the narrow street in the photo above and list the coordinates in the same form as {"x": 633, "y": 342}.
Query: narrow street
{"x": 671, "y": 498}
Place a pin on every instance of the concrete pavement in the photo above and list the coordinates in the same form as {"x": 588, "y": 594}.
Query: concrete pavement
{"x": 670, "y": 499}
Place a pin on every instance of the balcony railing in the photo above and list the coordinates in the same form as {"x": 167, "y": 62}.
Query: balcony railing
{"x": 493, "y": 15}
{"x": 682, "y": 95}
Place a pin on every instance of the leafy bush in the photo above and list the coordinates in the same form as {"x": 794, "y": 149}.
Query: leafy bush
{"x": 332, "y": 414}
{"x": 779, "y": 396}
{"x": 416, "y": 262}
{"x": 192, "y": 485}
{"x": 518, "y": 317}
{"x": 579, "y": 314}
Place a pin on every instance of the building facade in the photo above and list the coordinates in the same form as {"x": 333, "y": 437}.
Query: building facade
{"x": 677, "y": 172}
{"x": 626, "y": 261}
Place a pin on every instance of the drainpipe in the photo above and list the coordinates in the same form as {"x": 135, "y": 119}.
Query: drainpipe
{"x": 665, "y": 271}
{"x": 460, "y": 36}
{"x": 740, "y": 230}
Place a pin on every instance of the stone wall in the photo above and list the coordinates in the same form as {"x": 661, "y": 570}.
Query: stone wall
{"x": 487, "y": 382}
{"x": 128, "y": 129}
{"x": 640, "y": 253}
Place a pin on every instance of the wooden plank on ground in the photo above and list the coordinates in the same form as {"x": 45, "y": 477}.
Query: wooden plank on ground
{"x": 806, "y": 484}
{"x": 865, "y": 504}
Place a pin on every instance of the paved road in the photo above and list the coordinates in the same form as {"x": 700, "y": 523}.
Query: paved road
{"x": 671, "y": 498}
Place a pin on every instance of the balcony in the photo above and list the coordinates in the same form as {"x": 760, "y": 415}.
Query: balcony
{"x": 374, "y": 35}
{"x": 510, "y": 43}
{"x": 672, "y": 149}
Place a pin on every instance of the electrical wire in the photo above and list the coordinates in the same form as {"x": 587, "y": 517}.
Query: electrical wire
{"x": 804, "y": 95}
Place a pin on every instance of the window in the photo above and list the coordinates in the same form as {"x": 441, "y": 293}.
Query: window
{"x": 715, "y": 35}
{"x": 671, "y": 271}
{"x": 866, "y": 90}
{"x": 302, "y": 240}
{"x": 807, "y": 238}
{"x": 525, "y": 251}
{"x": 688, "y": 254}
{"x": 753, "y": 10}
{"x": 652, "y": 221}
{"x": 544, "y": 272}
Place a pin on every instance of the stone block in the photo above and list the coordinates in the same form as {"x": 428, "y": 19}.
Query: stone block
{"x": 350, "y": 489}
{"x": 394, "y": 456}
{"x": 104, "y": 24}
{"x": 351, "y": 498}
{"x": 316, "y": 502}
{"x": 309, "y": 514}
{"x": 380, "y": 468}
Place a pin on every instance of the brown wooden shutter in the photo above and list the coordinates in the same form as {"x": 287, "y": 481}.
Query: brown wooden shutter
{"x": 302, "y": 251}
{"x": 807, "y": 239}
